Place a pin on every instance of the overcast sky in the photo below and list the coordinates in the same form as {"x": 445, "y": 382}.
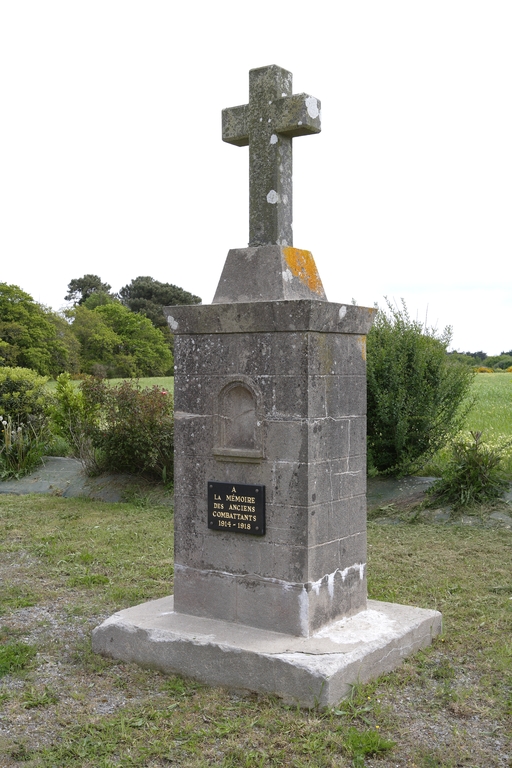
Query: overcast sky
{"x": 111, "y": 159}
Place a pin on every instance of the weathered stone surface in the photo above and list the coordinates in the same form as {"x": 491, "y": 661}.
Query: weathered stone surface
{"x": 314, "y": 671}
{"x": 271, "y": 316}
{"x": 269, "y": 273}
{"x": 267, "y": 124}
{"x": 276, "y": 399}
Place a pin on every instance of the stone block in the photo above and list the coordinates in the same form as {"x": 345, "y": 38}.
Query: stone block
{"x": 287, "y": 525}
{"x": 320, "y": 481}
{"x": 345, "y": 396}
{"x": 289, "y": 397}
{"x": 352, "y": 550}
{"x": 323, "y": 560}
{"x": 289, "y": 483}
{"x": 190, "y": 477}
{"x": 268, "y": 273}
{"x": 286, "y": 440}
{"x": 328, "y": 439}
{"x": 270, "y": 604}
{"x": 188, "y": 545}
{"x": 260, "y": 473}
{"x": 290, "y": 564}
{"x": 306, "y": 671}
{"x": 341, "y": 320}
{"x": 211, "y": 594}
{"x": 350, "y": 484}
{"x": 238, "y": 554}
{"x": 358, "y": 436}
{"x": 347, "y": 517}
{"x": 318, "y": 523}
{"x": 316, "y": 397}
{"x": 192, "y": 432}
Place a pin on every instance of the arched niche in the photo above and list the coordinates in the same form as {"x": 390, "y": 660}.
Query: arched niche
{"x": 238, "y": 422}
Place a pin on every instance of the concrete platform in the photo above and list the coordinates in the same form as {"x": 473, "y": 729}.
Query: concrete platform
{"x": 314, "y": 671}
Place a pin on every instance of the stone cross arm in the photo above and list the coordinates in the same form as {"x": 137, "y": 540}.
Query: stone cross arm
{"x": 296, "y": 115}
{"x": 267, "y": 125}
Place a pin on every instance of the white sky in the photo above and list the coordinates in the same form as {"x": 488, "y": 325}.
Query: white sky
{"x": 111, "y": 160}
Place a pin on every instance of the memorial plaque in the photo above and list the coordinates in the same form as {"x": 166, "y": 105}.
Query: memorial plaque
{"x": 236, "y": 508}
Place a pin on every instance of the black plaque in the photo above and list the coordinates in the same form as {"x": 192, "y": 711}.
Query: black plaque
{"x": 236, "y": 508}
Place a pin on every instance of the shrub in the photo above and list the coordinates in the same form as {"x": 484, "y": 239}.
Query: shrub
{"x": 24, "y": 432}
{"x": 137, "y": 434}
{"x": 416, "y": 392}
{"x": 473, "y": 475}
{"x": 23, "y": 395}
{"x": 75, "y": 420}
{"x": 122, "y": 428}
{"x": 484, "y": 369}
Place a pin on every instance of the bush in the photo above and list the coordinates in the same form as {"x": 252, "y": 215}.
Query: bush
{"x": 24, "y": 433}
{"x": 75, "y": 420}
{"x": 474, "y": 473}
{"x": 122, "y": 428}
{"x": 23, "y": 395}
{"x": 484, "y": 369}
{"x": 416, "y": 392}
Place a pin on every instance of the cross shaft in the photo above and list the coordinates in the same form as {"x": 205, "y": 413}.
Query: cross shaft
{"x": 267, "y": 125}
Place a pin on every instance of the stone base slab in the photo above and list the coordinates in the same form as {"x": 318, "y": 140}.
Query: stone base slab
{"x": 313, "y": 671}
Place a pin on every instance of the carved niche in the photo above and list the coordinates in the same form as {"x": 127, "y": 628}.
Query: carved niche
{"x": 238, "y": 422}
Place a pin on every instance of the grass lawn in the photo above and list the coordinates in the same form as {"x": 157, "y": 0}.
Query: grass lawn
{"x": 66, "y": 564}
{"x": 166, "y": 382}
{"x": 491, "y": 414}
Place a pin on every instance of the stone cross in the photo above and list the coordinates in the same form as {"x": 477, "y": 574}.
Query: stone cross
{"x": 267, "y": 124}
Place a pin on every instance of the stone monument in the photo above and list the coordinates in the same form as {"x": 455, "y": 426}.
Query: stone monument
{"x": 270, "y": 461}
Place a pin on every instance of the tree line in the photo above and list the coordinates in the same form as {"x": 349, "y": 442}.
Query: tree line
{"x": 482, "y": 359}
{"x": 100, "y": 332}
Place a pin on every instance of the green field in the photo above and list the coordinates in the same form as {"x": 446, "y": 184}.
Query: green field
{"x": 166, "y": 382}
{"x": 491, "y": 414}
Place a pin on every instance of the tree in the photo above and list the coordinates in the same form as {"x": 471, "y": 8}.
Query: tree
{"x": 31, "y": 336}
{"x": 142, "y": 344}
{"x": 465, "y": 358}
{"x": 79, "y": 289}
{"x": 66, "y": 350}
{"x": 98, "y": 342}
{"x": 416, "y": 392}
{"x": 502, "y": 361}
{"x": 148, "y": 296}
{"x": 117, "y": 342}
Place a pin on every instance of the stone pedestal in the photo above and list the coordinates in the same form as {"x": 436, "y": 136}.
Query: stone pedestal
{"x": 314, "y": 671}
{"x": 272, "y": 394}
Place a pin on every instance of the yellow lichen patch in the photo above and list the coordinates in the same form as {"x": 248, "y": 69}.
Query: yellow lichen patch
{"x": 302, "y": 265}
{"x": 362, "y": 343}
